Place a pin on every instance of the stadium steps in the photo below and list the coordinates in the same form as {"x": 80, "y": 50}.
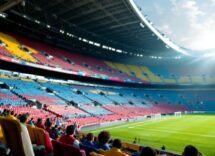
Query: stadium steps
{"x": 112, "y": 65}
{"x": 123, "y": 68}
{"x": 139, "y": 74}
{"x": 120, "y": 67}
{"x": 93, "y": 101}
{"x": 20, "y": 96}
{"x": 151, "y": 75}
{"x": 49, "y": 111}
{"x": 67, "y": 102}
{"x": 112, "y": 100}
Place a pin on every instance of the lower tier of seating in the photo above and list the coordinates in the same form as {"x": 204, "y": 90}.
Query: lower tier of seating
{"x": 33, "y": 112}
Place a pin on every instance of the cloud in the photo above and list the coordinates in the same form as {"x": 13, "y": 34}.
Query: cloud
{"x": 158, "y": 8}
{"x": 199, "y": 26}
{"x": 189, "y": 23}
{"x": 166, "y": 29}
{"x": 213, "y": 2}
{"x": 193, "y": 12}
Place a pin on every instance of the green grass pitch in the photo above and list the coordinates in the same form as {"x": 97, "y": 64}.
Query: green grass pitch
{"x": 173, "y": 132}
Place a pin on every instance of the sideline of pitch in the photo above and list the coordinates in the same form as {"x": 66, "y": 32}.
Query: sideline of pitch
{"x": 134, "y": 124}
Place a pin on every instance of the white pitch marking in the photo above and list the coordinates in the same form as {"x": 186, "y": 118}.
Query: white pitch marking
{"x": 135, "y": 124}
{"x": 176, "y": 132}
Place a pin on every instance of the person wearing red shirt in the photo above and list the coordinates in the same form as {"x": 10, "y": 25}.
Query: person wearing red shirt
{"x": 39, "y": 123}
{"x": 69, "y": 137}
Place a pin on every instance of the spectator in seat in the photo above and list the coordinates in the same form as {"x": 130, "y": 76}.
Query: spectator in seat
{"x": 54, "y": 133}
{"x": 88, "y": 144}
{"x": 89, "y": 141}
{"x": 148, "y": 151}
{"x": 137, "y": 153}
{"x": 48, "y": 125}
{"x": 103, "y": 139}
{"x": 25, "y": 136}
{"x": 23, "y": 118}
{"x": 190, "y": 150}
{"x": 31, "y": 122}
{"x": 69, "y": 137}
{"x": 115, "y": 150}
{"x": 40, "y": 123}
{"x": 11, "y": 115}
{"x": 3, "y": 150}
{"x": 32, "y": 150}
{"x": 58, "y": 121}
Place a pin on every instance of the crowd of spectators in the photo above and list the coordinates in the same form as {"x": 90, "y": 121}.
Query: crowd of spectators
{"x": 102, "y": 145}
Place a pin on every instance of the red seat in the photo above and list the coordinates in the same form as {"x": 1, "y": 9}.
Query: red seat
{"x": 61, "y": 149}
{"x": 42, "y": 138}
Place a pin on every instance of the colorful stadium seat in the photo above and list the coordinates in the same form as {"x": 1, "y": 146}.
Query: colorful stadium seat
{"x": 61, "y": 149}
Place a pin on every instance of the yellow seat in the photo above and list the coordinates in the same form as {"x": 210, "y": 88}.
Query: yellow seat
{"x": 184, "y": 80}
{"x": 197, "y": 79}
{"x": 131, "y": 146}
{"x": 141, "y": 72}
{"x": 31, "y": 133}
{"x": 41, "y": 137}
{"x": 1, "y": 135}
{"x": 170, "y": 81}
{"x": 119, "y": 67}
{"x": 13, "y": 46}
{"x": 210, "y": 79}
{"x": 153, "y": 77}
{"x": 123, "y": 68}
{"x": 138, "y": 72}
{"x": 110, "y": 64}
{"x": 12, "y": 132}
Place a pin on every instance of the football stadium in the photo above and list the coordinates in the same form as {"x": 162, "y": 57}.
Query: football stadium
{"x": 106, "y": 78}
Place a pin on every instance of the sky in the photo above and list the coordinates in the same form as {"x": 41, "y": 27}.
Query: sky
{"x": 188, "y": 23}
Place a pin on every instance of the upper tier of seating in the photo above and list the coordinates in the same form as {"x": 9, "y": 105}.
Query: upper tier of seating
{"x": 14, "y": 48}
{"x": 55, "y": 57}
{"x": 165, "y": 75}
{"x": 44, "y": 54}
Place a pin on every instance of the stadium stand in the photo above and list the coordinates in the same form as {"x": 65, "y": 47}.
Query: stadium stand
{"x": 48, "y": 55}
{"x": 40, "y": 138}
{"x": 6, "y": 98}
{"x": 106, "y": 98}
{"x": 72, "y": 101}
{"x": 110, "y": 66}
{"x": 4, "y": 52}
{"x": 32, "y": 51}
{"x": 34, "y": 113}
{"x": 14, "y": 47}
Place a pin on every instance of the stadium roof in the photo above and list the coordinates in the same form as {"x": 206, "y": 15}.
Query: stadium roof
{"x": 114, "y": 23}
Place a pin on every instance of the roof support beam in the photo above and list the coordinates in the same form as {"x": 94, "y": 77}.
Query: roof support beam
{"x": 53, "y": 4}
{"x": 9, "y": 4}
{"x": 67, "y": 11}
{"x": 89, "y": 11}
{"x": 97, "y": 18}
{"x": 106, "y": 24}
